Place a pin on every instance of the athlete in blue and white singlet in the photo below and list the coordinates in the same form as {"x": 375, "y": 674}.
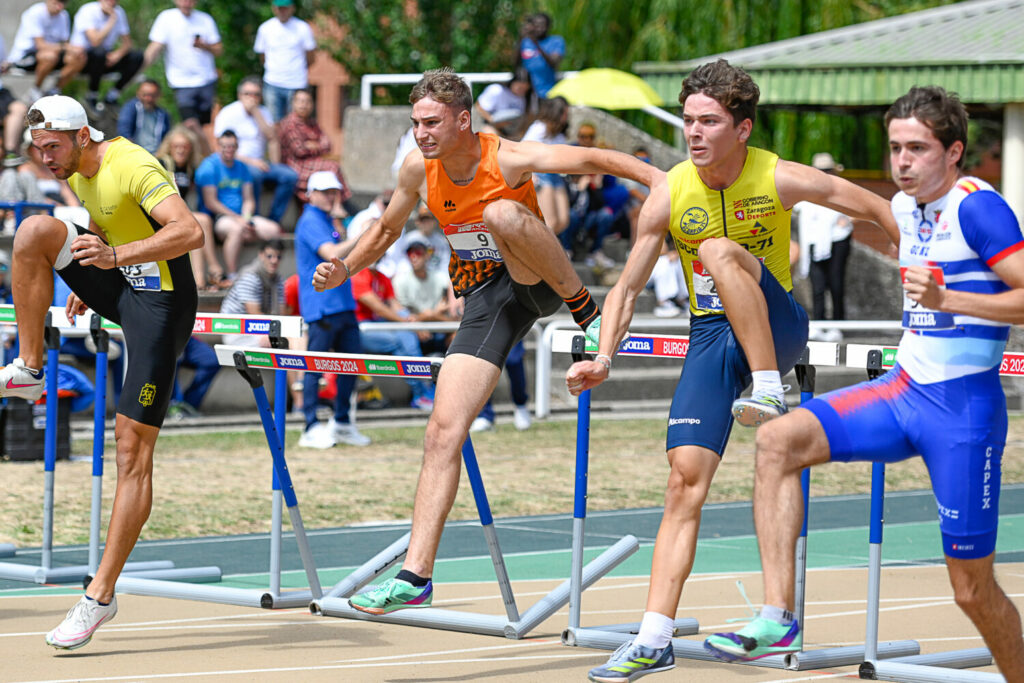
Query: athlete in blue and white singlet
{"x": 943, "y": 398}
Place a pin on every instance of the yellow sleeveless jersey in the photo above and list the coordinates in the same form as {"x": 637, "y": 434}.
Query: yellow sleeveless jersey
{"x": 748, "y": 212}
{"x": 120, "y": 197}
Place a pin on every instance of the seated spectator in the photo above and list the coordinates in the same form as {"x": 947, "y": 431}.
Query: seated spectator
{"x": 590, "y": 218}
{"x": 41, "y": 45}
{"x": 395, "y": 261}
{"x": 101, "y": 29}
{"x": 365, "y": 218}
{"x": 226, "y": 191}
{"x": 286, "y": 47}
{"x": 258, "y": 290}
{"x": 258, "y": 146}
{"x": 425, "y": 292}
{"x": 637, "y": 193}
{"x": 375, "y": 301}
{"x": 192, "y": 41}
{"x": 202, "y": 359}
{"x": 304, "y": 147}
{"x": 12, "y": 116}
{"x": 503, "y": 106}
{"x": 142, "y": 121}
{"x": 552, "y": 194}
{"x": 669, "y": 283}
{"x": 179, "y": 153}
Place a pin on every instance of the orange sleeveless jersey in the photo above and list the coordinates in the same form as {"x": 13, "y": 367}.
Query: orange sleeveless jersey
{"x": 460, "y": 209}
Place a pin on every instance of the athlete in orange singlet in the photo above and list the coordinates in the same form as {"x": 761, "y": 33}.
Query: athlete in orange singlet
{"x": 506, "y": 263}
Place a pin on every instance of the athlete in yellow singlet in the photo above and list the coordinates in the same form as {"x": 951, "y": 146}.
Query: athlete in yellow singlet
{"x": 727, "y": 210}
{"x": 131, "y": 266}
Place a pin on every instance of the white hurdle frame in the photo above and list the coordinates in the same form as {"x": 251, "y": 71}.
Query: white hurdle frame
{"x": 939, "y": 667}
{"x": 57, "y": 326}
{"x": 335, "y": 602}
{"x": 609, "y": 638}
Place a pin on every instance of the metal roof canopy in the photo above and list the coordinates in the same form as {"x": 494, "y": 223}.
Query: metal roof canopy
{"x": 973, "y": 48}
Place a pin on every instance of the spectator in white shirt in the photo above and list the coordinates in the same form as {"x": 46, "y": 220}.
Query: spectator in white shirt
{"x": 285, "y": 45}
{"x": 503, "y": 105}
{"x": 41, "y": 45}
{"x": 258, "y": 145}
{"x": 101, "y": 29}
{"x": 192, "y": 41}
{"x": 12, "y": 117}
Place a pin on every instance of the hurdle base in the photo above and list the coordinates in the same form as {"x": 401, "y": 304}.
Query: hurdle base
{"x": 682, "y": 627}
{"x": 429, "y": 617}
{"x": 938, "y": 667}
{"x": 831, "y": 657}
{"x": 7, "y": 550}
{"x": 70, "y": 574}
{"x": 157, "y": 588}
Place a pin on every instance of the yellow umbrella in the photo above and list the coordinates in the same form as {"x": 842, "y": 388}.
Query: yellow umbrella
{"x": 606, "y": 89}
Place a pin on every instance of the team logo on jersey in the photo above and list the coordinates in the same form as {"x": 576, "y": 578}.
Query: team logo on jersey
{"x": 758, "y": 229}
{"x": 449, "y": 205}
{"x": 740, "y": 215}
{"x": 925, "y": 230}
{"x": 694, "y": 220}
{"x": 147, "y": 395}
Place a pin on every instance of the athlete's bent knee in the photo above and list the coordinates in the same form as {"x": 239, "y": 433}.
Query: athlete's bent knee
{"x": 503, "y": 214}
{"x": 775, "y": 445}
{"x": 47, "y": 235}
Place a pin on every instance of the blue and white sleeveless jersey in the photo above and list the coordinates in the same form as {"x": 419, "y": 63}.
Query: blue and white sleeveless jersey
{"x": 960, "y": 236}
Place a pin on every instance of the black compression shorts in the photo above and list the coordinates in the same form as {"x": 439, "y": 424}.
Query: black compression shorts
{"x": 499, "y": 314}
{"x": 156, "y": 327}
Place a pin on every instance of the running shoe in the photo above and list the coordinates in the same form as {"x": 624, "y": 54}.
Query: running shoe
{"x": 758, "y": 409}
{"x": 81, "y": 622}
{"x": 392, "y": 595}
{"x": 317, "y": 435}
{"x": 348, "y": 434}
{"x": 481, "y": 424}
{"x": 760, "y": 638}
{"x": 521, "y": 417}
{"x": 631, "y": 661}
{"x": 18, "y": 381}
{"x": 593, "y": 332}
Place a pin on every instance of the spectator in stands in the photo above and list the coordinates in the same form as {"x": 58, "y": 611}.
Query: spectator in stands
{"x": 41, "y": 45}
{"x": 179, "y": 153}
{"x": 330, "y": 315}
{"x": 365, "y": 218}
{"x": 425, "y": 292}
{"x": 669, "y": 283}
{"x": 12, "y": 117}
{"x": 192, "y": 42}
{"x": 395, "y": 260}
{"x": 503, "y": 106}
{"x": 590, "y": 219}
{"x": 286, "y": 47}
{"x": 202, "y": 359}
{"x": 258, "y": 146}
{"x": 637, "y": 193}
{"x": 143, "y": 121}
{"x": 226, "y": 188}
{"x": 101, "y": 29}
{"x": 305, "y": 147}
{"x": 258, "y": 290}
{"x": 540, "y": 53}
{"x": 824, "y": 250}
{"x": 376, "y": 302}
{"x": 552, "y": 194}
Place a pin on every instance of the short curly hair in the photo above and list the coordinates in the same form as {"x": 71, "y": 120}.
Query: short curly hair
{"x": 445, "y": 86}
{"x": 729, "y": 85}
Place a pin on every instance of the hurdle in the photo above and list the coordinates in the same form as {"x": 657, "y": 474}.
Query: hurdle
{"x": 666, "y": 346}
{"x": 334, "y": 603}
{"x": 56, "y": 325}
{"x": 937, "y": 667}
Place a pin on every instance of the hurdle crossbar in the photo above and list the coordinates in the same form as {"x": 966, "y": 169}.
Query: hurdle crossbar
{"x": 671, "y": 346}
{"x": 56, "y": 326}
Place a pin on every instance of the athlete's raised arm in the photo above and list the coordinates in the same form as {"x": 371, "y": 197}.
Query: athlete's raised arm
{"x": 799, "y": 183}
{"x": 617, "y": 311}
{"x": 520, "y": 158}
{"x": 383, "y": 232}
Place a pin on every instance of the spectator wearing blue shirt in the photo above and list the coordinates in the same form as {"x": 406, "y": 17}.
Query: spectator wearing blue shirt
{"x": 330, "y": 314}
{"x": 141, "y": 120}
{"x": 226, "y": 193}
{"x": 540, "y": 53}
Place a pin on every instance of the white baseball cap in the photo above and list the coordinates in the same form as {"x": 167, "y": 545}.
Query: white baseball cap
{"x": 60, "y": 113}
{"x": 323, "y": 180}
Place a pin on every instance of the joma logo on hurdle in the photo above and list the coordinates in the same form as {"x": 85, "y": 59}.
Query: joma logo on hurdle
{"x": 256, "y": 326}
{"x": 638, "y": 346}
{"x": 291, "y": 362}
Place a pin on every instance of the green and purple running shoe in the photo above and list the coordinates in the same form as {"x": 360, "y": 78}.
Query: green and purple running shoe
{"x": 760, "y": 638}
{"x": 393, "y": 594}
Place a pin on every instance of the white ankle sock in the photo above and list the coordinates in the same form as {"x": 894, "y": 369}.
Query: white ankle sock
{"x": 767, "y": 382}
{"x": 655, "y": 630}
{"x": 777, "y": 614}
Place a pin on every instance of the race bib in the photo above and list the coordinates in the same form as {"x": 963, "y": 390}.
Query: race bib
{"x": 142, "y": 276}
{"x": 473, "y": 242}
{"x": 916, "y": 316}
{"x": 704, "y": 289}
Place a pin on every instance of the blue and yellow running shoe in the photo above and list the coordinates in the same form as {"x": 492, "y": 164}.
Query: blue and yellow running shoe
{"x": 760, "y": 638}
{"x": 631, "y": 661}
